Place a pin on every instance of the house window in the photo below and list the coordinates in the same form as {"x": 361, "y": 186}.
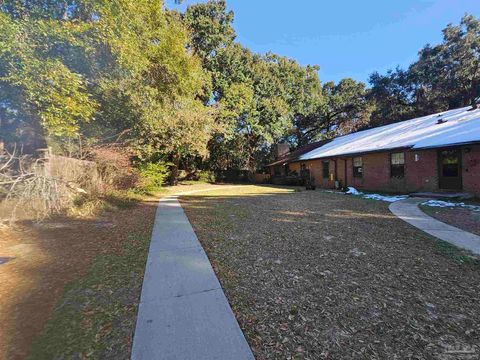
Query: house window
{"x": 326, "y": 169}
{"x": 357, "y": 167}
{"x": 397, "y": 165}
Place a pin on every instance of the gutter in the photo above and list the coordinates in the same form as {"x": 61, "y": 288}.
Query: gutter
{"x": 358, "y": 153}
{"x": 447, "y": 145}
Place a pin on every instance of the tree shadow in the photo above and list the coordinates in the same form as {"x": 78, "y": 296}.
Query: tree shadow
{"x": 50, "y": 255}
{"x": 319, "y": 264}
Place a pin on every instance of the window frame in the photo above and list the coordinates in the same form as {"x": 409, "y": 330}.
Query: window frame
{"x": 394, "y": 168}
{"x": 357, "y": 170}
{"x": 326, "y": 170}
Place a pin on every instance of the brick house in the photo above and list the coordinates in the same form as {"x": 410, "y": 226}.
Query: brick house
{"x": 439, "y": 152}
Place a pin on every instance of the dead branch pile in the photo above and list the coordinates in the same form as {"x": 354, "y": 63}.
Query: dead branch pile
{"x": 114, "y": 165}
{"x": 43, "y": 185}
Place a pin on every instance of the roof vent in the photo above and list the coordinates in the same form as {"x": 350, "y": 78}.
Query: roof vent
{"x": 441, "y": 121}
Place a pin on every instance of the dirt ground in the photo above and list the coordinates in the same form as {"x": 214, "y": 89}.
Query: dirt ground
{"x": 313, "y": 275}
{"x": 56, "y": 280}
{"x": 46, "y": 257}
{"x": 464, "y": 219}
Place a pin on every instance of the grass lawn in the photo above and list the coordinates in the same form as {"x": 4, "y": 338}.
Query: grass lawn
{"x": 72, "y": 287}
{"x": 314, "y": 275}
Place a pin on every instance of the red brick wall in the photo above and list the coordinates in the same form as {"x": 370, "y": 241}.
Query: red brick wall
{"x": 294, "y": 167}
{"x": 316, "y": 169}
{"x": 421, "y": 175}
{"x": 471, "y": 169}
{"x": 421, "y": 171}
{"x": 344, "y": 171}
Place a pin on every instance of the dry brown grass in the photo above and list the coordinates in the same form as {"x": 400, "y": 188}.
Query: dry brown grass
{"x": 58, "y": 254}
{"x": 464, "y": 219}
{"x": 312, "y": 275}
{"x": 48, "y": 256}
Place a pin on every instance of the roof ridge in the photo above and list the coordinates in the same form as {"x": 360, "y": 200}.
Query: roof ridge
{"x": 417, "y": 132}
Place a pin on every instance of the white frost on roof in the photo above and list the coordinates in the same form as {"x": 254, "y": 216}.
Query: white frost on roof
{"x": 459, "y": 126}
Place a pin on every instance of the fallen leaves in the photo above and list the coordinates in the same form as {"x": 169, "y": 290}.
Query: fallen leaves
{"x": 318, "y": 276}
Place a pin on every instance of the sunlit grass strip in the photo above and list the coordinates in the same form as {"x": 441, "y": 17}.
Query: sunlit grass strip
{"x": 97, "y": 314}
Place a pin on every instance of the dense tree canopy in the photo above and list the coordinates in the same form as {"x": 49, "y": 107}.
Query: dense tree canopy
{"x": 343, "y": 109}
{"x": 100, "y": 68}
{"x": 39, "y": 94}
{"x": 445, "y": 76}
{"x": 181, "y": 88}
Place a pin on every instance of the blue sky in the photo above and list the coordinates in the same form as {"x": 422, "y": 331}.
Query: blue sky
{"x": 345, "y": 38}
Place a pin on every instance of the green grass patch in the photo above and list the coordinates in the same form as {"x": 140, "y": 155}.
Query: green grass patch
{"x": 431, "y": 210}
{"x": 121, "y": 200}
{"x": 96, "y": 316}
{"x": 458, "y": 255}
{"x": 89, "y": 205}
{"x": 192, "y": 182}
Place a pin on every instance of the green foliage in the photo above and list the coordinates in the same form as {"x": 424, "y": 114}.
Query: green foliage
{"x": 342, "y": 109}
{"x": 153, "y": 176}
{"x": 259, "y": 98}
{"x": 207, "y": 176}
{"x": 38, "y": 91}
{"x": 160, "y": 94}
{"x": 445, "y": 76}
{"x": 95, "y": 68}
{"x": 178, "y": 87}
{"x": 211, "y": 27}
{"x": 390, "y": 96}
{"x": 452, "y": 68}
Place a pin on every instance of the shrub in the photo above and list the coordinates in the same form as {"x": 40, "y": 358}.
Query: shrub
{"x": 115, "y": 166}
{"x": 153, "y": 175}
{"x": 207, "y": 176}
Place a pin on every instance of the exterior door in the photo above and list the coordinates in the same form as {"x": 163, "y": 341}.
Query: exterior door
{"x": 450, "y": 169}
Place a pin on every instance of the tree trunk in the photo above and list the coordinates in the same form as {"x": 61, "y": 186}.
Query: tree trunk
{"x": 474, "y": 94}
{"x": 2, "y": 142}
{"x": 174, "y": 173}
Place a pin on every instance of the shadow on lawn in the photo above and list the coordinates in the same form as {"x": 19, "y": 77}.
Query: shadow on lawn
{"x": 87, "y": 271}
{"x": 312, "y": 273}
{"x": 73, "y": 285}
{"x": 77, "y": 282}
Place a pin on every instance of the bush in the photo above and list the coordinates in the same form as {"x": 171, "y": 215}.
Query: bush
{"x": 115, "y": 166}
{"x": 153, "y": 176}
{"x": 206, "y": 176}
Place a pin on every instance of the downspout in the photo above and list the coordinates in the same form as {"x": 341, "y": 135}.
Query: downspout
{"x": 346, "y": 179}
{"x": 336, "y": 175}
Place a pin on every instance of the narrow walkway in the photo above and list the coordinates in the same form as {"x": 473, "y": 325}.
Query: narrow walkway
{"x": 409, "y": 211}
{"x": 183, "y": 312}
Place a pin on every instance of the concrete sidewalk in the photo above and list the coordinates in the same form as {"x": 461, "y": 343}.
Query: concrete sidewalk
{"x": 409, "y": 211}
{"x": 183, "y": 312}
